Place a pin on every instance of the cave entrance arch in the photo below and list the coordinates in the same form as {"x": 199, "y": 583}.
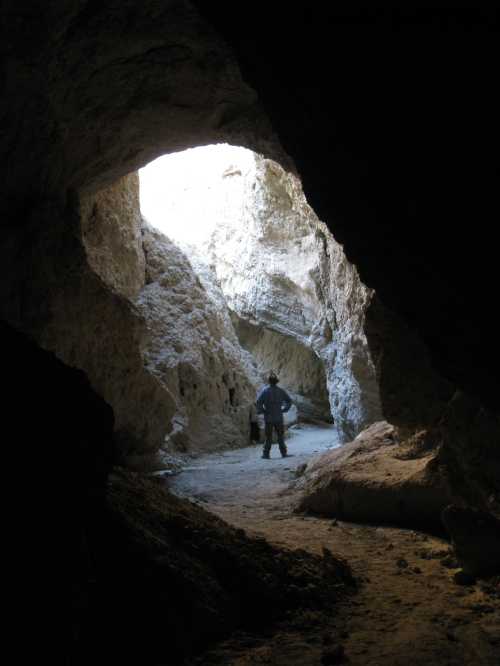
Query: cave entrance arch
{"x": 260, "y": 252}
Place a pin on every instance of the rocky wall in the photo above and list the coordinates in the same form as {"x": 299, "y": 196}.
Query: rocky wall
{"x": 300, "y": 370}
{"x": 111, "y": 232}
{"x": 193, "y": 350}
{"x": 51, "y": 292}
{"x": 283, "y": 274}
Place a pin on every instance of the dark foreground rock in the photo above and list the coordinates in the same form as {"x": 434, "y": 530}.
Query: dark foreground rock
{"x": 172, "y": 578}
{"x": 377, "y": 479}
{"x": 476, "y": 538}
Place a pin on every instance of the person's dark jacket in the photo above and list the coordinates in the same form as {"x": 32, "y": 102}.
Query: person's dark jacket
{"x": 273, "y": 402}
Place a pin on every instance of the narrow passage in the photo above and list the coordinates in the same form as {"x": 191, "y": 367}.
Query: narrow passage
{"x": 408, "y": 609}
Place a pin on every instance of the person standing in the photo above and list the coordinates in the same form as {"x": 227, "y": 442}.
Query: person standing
{"x": 273, "y": 402}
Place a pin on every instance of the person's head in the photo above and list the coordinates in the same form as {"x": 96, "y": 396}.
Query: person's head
{"x": 273, "y": 379}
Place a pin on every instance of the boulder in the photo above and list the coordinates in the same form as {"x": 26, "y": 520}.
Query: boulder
{"x": 376, "y": 478}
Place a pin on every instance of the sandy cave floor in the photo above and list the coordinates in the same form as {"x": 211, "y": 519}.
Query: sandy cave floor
{"x": 408, "y": 609}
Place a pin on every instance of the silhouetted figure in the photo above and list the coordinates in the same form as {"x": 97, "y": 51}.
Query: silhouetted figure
{"x": 273, "y": 402}
{"x": 254, "y": 425}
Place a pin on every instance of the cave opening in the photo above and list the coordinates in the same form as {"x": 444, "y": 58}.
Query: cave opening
{"x": 274, "y": 283}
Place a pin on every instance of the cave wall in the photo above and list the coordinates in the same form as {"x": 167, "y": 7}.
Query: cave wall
{"x": 188, "y": 345}
{"x": 301, "y": 371}
{"x": 50, "y": 291}
{"x": 111, "y": 230}
{"x": 192, "y": 349}
{"x": 124, "y": 305}
{"x": 282, "y": 272}
{"x": 58, "y": 452}
{"x": 92, "y": 91}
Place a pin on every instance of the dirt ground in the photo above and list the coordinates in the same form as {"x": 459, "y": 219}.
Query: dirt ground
{"x": 408, "y": 610}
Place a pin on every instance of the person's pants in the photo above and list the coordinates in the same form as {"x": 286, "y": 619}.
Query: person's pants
{"x": 280, "y": 431}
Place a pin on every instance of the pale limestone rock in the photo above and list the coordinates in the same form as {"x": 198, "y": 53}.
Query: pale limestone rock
{"x": 281, "y": 271}
{"x": 301, "y": 371}
{"x": 193, "y": 350}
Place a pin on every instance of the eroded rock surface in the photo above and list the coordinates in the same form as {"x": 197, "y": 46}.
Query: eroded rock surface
{"x": 111, "y": 231}
{"x": 300, "y": 370}
{"x": 283, "y": 274}
{"x": 375, "y": 478}
{"x": 67, "y": 307}
{"x": 193, "y": 350}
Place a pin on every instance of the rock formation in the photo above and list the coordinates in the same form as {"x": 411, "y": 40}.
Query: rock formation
{"x": 69, "y": 308}
{"x": 378, "y": 479}
{"x": 384, "y": 475}
{"x": 193, "y": 350}
{"x": 298, "y": 304}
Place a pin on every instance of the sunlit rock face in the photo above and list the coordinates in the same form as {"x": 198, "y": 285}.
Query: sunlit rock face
{"x": 300, "y": 370}
{"x": 280, "y": 271}
{"x": 193, "y": 350}
{"x": 187, "y": 348}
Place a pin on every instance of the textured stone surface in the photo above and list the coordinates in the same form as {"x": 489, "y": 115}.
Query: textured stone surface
{"x": 94, "y": 91}
{"x": 68, "y": 309}
{"x": 111, "y": 232}
{"x": 176, "y": 578}
{"x": 374, "y": 479}
{"x": 193, "y": 350}
{"x": 281, "y": 270}
{"x": 300, "y": 370}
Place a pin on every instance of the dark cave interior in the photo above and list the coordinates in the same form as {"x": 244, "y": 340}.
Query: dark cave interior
{"x": 391, "y": 119}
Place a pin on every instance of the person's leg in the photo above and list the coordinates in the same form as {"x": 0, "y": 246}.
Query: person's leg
{"x": 280, "y": 429}
{"x": 269, "y": 439}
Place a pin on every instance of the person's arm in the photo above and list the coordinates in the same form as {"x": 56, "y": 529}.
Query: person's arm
{"x": 261, "y": 408}
{"x": 287, "y": 402}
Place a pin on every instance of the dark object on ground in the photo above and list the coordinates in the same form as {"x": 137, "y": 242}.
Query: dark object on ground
{"x": 254, "y": 432}
{"x": 333, "y": 655}
{"x": 462, "y": 578}
{"x": 476, "y": 538}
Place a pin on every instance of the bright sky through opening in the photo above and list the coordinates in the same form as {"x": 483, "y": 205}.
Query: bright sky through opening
{"x": 184, "y": 194}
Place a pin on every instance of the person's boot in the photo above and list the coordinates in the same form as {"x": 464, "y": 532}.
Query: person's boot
{"x": 265, "y": 455}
